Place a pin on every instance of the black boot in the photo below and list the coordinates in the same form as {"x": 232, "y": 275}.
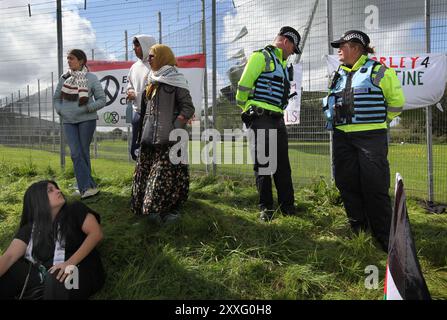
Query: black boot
{"x": 288, "y": 210}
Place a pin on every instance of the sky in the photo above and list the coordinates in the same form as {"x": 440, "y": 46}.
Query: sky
{"x": 31, "y": 50}
{"x": 29, "y": 44}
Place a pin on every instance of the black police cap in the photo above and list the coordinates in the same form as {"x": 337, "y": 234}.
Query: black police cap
{"x": 353, "y": 36}
{"x": 293, "y": 35}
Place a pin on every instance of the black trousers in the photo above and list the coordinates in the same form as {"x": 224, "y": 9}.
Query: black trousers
{"x": 362, "y": 174}
{"x": 283, "y": 174}
{"x": 12, "y": 283}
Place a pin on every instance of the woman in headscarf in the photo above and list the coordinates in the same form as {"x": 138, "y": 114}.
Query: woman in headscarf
{"x": 160, "y": 185}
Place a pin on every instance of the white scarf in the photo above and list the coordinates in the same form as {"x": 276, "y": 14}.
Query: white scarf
{"x": 169, "y": 75}
{"x": 77, "y": 84}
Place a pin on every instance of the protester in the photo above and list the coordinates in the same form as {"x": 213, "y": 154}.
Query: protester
{"x": 137, "y": 81}
{"x": 161, "y": 186}
{"x": 77, "y": 98}
{"x": 53, "y": 238}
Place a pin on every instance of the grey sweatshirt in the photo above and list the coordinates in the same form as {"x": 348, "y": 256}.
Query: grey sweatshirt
{"x": 71, "y": 112}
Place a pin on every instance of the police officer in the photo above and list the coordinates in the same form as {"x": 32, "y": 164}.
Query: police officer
{"x": 363, "y": 99}
{"x": 262, "y": 94}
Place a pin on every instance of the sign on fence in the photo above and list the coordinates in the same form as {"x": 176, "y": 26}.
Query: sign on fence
{"x": 113, "y": 77}
{"x": 423, "y": 76}
{"x": 292, "y": 113}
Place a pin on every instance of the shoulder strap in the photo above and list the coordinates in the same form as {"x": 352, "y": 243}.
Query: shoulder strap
{"x": 335, "y": 76}
{"x": 267, "y": 58}
{"x": 380, "y": 73}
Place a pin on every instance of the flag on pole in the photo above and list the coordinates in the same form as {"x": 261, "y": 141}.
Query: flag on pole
{"x": 404, "y": 279}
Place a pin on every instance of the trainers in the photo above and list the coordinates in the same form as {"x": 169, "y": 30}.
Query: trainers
{"x": 266, "y": 215}
{"x": 89, "y": 193}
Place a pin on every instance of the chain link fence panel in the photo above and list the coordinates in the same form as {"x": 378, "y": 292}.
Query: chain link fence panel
{"x": 27, "y": 118}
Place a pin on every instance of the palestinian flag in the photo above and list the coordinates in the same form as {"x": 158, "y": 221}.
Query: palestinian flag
{"x": 404, "y": 279}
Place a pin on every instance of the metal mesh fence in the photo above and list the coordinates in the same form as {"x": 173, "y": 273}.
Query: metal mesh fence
{"x": 27, "y": 118}
{"x": 398, "y": 28}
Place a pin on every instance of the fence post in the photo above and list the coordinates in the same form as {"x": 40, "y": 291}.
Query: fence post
{"x": 19, "y": 104}
{"x": 428, "y": 113}
{"x": 38, "y": 103}
{"x": 13, "y": 119}
{"x": 213, "y": 41}
{"x": 29, "y": 114}
{"x": 95, "y": 136}
{"x": 59, "y": 72}
{"x": 330, "y": 36}
{"x": 159, "y": 27}
{"x": 205, "y": 79}
{"x": 52, "y": 107}
{"x": 126, "y": 44}
{"x": 27, "y": 98}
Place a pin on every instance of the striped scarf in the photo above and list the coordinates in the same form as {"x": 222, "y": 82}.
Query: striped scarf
{"x": 76, "y": 86}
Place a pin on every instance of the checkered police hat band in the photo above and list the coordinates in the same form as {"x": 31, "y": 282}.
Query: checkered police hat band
{"x": 293, "y": 36}
{"x": 354, "y": 36}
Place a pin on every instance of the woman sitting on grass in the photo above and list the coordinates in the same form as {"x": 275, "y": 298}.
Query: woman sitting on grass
{"x": 53, "y": 253}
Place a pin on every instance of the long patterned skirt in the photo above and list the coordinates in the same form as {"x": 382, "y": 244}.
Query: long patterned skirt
{"x": 158, "y": 185}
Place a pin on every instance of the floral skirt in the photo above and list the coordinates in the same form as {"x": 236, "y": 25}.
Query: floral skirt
{"x": 158, "y": 185}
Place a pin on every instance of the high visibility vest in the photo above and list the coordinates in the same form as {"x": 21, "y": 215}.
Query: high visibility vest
{"x": 358, "y": 95}
{"x": 272, "y": 86}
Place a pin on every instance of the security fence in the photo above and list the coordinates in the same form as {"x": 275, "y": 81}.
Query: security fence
{"x": 228, "y": 31}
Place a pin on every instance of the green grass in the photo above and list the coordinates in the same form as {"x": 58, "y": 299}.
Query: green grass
{"x": 219, "y": 249}
{"x": 310, "y": 161}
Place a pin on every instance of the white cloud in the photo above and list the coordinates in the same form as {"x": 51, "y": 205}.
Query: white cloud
{"x": 401, "y": 29}
{"x": 29, "y": 44}
{"x": 263, "y": 26}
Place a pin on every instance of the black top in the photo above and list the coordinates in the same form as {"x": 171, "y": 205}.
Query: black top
{"x": 75, "y": 215}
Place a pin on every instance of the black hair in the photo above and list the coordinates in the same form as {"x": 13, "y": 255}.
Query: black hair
{"x": 79, "y": 54}
{"x": 136, "y": 41}
{"x": 37, "y": 213}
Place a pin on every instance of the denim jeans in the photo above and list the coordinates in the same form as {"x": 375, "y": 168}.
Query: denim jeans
{"x": 135, "y": 125}
{"x": 79, "y": 136}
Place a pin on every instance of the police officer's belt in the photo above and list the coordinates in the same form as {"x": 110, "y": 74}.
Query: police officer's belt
{"x": 261, "y": 111}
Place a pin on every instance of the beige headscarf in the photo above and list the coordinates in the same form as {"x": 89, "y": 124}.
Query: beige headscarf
{"x": 163, "y": 56}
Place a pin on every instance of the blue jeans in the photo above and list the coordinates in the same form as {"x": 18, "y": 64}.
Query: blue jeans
{"x": 135, "y": 124}
{"x": 79, "y": 136}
